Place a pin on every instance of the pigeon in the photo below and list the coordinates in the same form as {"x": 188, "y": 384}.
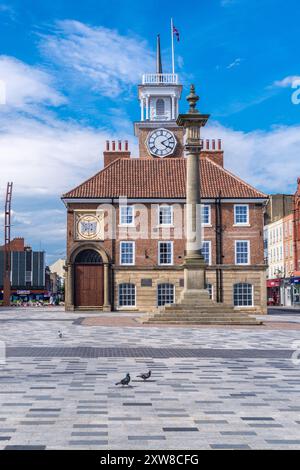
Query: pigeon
{"x": 60, "y": 335}
{"x": 145, "y": 376}
{"x": 124, "y": 381}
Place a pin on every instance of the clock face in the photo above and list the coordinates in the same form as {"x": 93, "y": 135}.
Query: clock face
{"x": 88, "y": 226}
{"x": 161, "y": 142}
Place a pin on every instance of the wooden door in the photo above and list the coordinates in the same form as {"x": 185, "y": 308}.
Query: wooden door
{"x": 89, "y": 285}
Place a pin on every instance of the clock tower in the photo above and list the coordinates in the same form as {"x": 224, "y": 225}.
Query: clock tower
{"x": 159, "y": 135}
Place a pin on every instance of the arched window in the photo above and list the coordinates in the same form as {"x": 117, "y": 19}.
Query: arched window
{"x": 88, "y": 257}
{"x": 165, "y": 294}
{"x": 160, "y": 107}
{"x": 127, "y": 295}
{"x": 243, "y": 295}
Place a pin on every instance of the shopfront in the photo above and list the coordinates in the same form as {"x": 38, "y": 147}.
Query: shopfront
{"x": 273, "y": 291}
{"x": 295, "y": 285}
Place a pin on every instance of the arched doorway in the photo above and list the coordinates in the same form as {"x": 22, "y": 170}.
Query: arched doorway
{"x": 89, "y": 279}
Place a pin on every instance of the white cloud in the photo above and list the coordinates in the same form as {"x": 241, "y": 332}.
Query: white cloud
{"x": 41, "y": 153}
{"x": 98, "y": 56}
{"x": 269, "y": 160}
{"x": 235, "y": 63}
{"x": 287, "y": 82}
{"x": 43, "y": 158}
{"x": 26, "y": 86}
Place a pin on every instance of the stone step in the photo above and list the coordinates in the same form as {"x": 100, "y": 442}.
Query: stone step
{"x": 200, "y": 306}
{"x": 204, "y": 318}
{"x": 201, "y": 312}
{"x": 201, "y": 317}
{"x": 206, "y": 322}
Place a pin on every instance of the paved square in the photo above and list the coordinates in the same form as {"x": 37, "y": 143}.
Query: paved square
{"x": 211, "y": 388}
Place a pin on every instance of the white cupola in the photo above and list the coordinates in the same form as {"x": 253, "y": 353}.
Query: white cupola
{"x": 159, "y": 93}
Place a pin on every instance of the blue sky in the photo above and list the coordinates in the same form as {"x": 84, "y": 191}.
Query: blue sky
{"x": 70, "y": 71}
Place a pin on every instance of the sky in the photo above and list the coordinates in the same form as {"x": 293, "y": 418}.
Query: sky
{"x": 68, "y": 81}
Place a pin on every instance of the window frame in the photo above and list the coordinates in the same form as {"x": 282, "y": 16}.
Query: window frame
{"x": 241, "y": 224}
{"x": 248, "y": 252}
{"x": 206, "y": 224}
{"x": 126, "y": 224}
{"x": 157, "y": 293}
{"x": 172, "y": 253}
{"x": 252, "y": 295}
{"x": 126, "y": 284}
{"x": 133, "y": 253}
{"x": 157, "y": 102}
{"x": 171, "y": 224}
{"x": 209, "y": 251}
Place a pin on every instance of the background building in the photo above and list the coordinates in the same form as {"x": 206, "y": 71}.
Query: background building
{"x": 295, "y": 280}
{"x": 55, "y": 279}
{"x": 27, "y": 272}
{"x": 281, "y": 239}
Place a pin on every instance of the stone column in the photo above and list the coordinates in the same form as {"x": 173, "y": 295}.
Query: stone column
{"x": 142, "y": 109}
{"x": 69, "y": 289}
{"x": 147, "y": 107}
{"x": 106, "y": 302}
{"x": 194, "y": 264}
{"x": 173, "y": 107}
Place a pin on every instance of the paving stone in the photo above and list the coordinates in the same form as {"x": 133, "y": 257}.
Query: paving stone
{"x": 221, "y": 388}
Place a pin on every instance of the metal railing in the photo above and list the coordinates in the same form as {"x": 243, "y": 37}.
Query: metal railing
{"x": 160, "y": 78}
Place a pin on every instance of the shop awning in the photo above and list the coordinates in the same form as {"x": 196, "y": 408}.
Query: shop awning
{"x": 273, "y": 282}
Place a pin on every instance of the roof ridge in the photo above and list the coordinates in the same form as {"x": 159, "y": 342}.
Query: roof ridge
{"x": 235, "y": 177}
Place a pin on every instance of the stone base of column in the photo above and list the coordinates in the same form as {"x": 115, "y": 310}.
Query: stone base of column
{"x": 69, "y": 308}
{"x": 106, "y": 308}
{"x": 195, "y": 306}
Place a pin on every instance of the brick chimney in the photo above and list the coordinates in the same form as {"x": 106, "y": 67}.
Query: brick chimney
{"x": 212, "y": 148}
{"x": 115, "y": 150}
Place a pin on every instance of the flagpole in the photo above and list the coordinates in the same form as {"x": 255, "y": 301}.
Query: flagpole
{"x": 172, "y": 42}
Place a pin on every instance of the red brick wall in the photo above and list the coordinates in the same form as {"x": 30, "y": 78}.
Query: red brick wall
{"x": 216, "y": 156}
{"x": 146, "y": 250}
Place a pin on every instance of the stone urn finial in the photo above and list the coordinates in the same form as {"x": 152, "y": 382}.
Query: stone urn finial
{"x": 192, "y": 99}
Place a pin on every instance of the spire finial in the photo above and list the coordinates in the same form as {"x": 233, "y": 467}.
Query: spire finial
{"x": 192, "y": 99}
{"x": 158, "y": 56}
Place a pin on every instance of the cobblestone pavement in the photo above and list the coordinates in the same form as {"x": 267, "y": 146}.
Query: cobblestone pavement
{"x": 211, "y": 388}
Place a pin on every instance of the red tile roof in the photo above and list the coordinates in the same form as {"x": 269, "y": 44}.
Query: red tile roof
{"x": 160, "y": 178}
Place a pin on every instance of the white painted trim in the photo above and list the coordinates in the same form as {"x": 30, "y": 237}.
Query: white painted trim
{"x": 126, "y": 307}
{"x": 209, "y": 244}
{"x": 243, "y": 306}
{"x": 174, "y": 292}
{"x": 241, "y": 224}
{"x": 235, "y": 253}
{"x": 157, "y": 200}
{"x": 209, "y": 215}
{"x": 172, "y": 253}
{"x": 172, "y": 216}
{"x": 120, "y": 252}
{"x": 133, "y": 215}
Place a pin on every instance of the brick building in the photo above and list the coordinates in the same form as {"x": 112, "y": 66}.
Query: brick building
{"x": 27, "y": 271}
{"x": 125, "y": 225}
{"x": 295, "y": 280}
{"x": 282, "y": 242}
